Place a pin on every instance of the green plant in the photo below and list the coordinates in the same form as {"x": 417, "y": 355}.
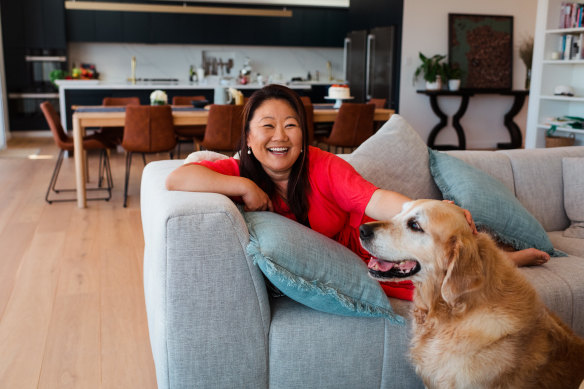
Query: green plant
{"x": 431, "y": 68}
{"x": 452, "y": 72}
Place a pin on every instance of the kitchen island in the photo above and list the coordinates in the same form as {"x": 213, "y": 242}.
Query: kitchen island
{"x": 92, "y": 92}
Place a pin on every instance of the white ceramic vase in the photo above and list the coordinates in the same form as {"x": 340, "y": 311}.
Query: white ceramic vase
{"x": 454, "y": 85}
{"x": 436, "y": 85}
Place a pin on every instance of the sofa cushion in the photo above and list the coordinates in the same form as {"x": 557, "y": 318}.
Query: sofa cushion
{"x": 314, "y": 270}
{"x": 574, "y": 196}
{"x": 396, "y": 158}
{"x": 493, "y": 206}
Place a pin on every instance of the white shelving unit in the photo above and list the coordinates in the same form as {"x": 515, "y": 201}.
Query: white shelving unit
{"x": 547, "y": 73}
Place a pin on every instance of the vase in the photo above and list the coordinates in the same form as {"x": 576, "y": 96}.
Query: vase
{"x": 157, "y": 102}
{"x": 436, "y": 85}
{"x": 454, "y": 85}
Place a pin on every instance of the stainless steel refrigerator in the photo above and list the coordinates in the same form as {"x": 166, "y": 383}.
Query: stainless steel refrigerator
{"x": 369, "y": 64}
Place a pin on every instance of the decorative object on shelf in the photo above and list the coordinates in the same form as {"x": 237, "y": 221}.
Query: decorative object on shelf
{"x": 563, "y": 90}
{"x": 432, "y": 70}
{"x": 158, "y": 97}
{"x": 526, "y": 55}
{"x": 453, "y": 75}
{"x": 573, "y": 122}
{"x": 482, "y": 46}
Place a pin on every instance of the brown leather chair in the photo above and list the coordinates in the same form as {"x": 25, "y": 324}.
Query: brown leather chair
{"x": 65, "y": 143}
{"x": 379, "y": 103}
{"x": 309, "y": 109}
{"x": 352, "y": 126}
{"x": 187, "y": 133}
{"x": 148, "y": 129}
{"x": 115, "y": 134}
{"x": 223, "y": 130}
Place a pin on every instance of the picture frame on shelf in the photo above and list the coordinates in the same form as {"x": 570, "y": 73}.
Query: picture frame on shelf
{"x": 482, "y": 47}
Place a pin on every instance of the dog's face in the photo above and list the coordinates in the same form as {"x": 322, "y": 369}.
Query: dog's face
{"x": 424, "y": 240}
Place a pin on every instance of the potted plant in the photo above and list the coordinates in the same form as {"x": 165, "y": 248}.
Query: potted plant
{"x": 432, "y": 71}
{"x": 453, "y": 75}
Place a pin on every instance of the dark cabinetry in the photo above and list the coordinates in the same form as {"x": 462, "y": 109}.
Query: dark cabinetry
{"x": 325, "y": 27}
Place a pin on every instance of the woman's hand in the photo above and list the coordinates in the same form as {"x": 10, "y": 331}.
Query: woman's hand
{"x": 255, "y": 199}
{"x": 468, "y": 216}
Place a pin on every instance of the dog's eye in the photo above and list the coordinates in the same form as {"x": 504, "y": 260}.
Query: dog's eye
{"x": 414, "y": 226}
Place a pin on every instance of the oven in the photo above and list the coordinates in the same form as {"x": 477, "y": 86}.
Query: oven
{"x": 24, "y": 105}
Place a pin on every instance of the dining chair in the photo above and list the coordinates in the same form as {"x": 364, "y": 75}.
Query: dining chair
{"x": 379, "y": 103}
{"x": 309, "y": 110}
{"x": 223, "y": 131}
{"x": 65, "y": 143}
{"x": 148, "y": 129}
{"x": 187, "y": 133}
{"x": 115, "y": 134}
{"x": 352, "y": 126}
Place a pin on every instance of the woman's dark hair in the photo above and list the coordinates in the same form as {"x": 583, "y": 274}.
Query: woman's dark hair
{"x": 250, "y": 167}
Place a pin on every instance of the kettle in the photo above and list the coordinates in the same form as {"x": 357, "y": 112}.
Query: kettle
{"x": 222, "y": 95}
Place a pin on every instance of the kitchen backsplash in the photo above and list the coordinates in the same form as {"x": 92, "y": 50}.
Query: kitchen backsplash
{"x": 278, "y": 64}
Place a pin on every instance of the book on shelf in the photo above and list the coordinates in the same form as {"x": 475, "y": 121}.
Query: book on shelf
{"x": 571, "y": 15}
{"x": 571, "y": 46}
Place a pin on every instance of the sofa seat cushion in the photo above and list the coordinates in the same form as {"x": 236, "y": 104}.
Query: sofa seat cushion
{"x": 559, "y": 284}
{"x": 313, "y": 269}
{"x": 354, "y": 352}
{"x": 573, "y": 246}
{"x": 493, "y": 206}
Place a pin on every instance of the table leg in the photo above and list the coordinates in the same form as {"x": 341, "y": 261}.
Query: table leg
{"x": 79, "y": 153}
{"x": 512, "y": 127}
{"x": 456, "y": 122}
{"x": 443, "y": 120}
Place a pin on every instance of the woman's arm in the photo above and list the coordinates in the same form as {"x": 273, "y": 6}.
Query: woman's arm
{"x": 197, "y": 178}
{"x": 385, "y": 204}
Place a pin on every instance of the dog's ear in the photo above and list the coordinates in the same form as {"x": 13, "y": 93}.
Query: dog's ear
{"x": 464, "y": 272}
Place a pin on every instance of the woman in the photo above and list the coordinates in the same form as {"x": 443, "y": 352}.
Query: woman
{"x": 278, "y": 171}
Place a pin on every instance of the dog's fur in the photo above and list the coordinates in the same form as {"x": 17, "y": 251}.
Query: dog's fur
{"x": 478, "y": 322}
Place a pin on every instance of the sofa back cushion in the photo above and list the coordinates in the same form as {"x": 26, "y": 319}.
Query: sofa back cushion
{"x": 396, "y": 158}
{"x": 539, "y": 184}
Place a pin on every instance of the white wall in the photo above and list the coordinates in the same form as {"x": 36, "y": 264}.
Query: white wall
{"x": 425, "y": 29}
{"x": 112, "y": 60}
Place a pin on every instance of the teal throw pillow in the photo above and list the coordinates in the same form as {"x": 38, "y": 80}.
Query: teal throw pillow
{"x": 494, "y": 208}
{"x": 314, "y": 270}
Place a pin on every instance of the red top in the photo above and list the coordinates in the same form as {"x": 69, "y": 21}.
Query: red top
{"x": 337, "y": 200}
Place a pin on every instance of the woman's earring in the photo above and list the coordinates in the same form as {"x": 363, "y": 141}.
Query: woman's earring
{"x": 301, "y": 150}
{"x": 249, "y": 150}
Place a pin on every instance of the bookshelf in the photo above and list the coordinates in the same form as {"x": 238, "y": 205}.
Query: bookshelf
{"x": 555, "y": 64}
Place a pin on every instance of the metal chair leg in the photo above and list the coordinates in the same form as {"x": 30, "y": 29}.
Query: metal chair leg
{"x": 54, "y": 176}
{"x": 127, "y": 179}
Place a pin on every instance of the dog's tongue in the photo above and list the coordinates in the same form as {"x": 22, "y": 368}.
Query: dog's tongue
{"x": 375, "y": 264}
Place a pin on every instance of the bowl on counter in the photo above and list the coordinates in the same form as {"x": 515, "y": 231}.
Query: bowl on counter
{"x": 199, "y": 103}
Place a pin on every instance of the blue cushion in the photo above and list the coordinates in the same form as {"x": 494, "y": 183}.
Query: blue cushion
{"x": 494, "y": 208}
{"x": 314, "y": 270}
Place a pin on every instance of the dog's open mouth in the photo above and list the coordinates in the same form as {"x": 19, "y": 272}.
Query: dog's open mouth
{"x": 393, "y": 269}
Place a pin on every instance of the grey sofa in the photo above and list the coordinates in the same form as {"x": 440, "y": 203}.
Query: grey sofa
{"x": 212, "y": 324}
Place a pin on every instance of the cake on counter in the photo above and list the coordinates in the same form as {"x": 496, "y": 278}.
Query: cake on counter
{"x": 339, "y": 91}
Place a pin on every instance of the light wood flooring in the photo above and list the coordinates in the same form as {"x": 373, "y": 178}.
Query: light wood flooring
{"x": 72, "y": 311}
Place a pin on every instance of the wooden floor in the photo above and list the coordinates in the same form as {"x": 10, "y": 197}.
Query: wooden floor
{"x": 72, "y": 311}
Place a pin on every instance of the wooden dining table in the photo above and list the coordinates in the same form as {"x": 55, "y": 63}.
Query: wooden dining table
{"x": 100, "y": 116}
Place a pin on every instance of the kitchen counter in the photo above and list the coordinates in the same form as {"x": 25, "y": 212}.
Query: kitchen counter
{"x": 91, "y": 92}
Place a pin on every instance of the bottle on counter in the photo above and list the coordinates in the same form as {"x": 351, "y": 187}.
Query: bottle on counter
{"x": 192, "y": 74}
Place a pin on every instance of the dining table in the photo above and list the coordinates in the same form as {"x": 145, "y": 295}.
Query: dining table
{"x": 114, "y": 116}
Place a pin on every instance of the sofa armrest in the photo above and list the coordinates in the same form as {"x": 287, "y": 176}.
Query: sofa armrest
{"x": 207, "y": 305}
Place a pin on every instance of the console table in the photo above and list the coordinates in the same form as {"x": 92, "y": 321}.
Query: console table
{"x": 466, "y": 94}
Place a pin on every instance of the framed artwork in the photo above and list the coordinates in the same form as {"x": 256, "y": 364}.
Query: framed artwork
{"x": 482, "y": 47}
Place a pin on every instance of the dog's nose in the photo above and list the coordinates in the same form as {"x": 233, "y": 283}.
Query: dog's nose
{"x": 366, "y": 231}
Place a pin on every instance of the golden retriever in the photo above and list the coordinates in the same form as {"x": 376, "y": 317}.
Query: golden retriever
{"x": 478, "y": 323}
